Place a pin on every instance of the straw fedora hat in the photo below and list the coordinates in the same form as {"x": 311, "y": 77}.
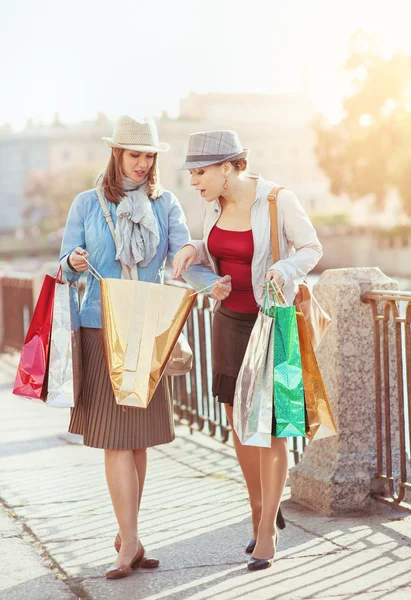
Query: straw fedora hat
{"x": 138, "y": 134}
{"x": 207, "y": 148}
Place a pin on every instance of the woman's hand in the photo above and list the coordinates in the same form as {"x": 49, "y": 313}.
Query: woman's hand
{"x": 276, "y": 277}
{"x": 77, "y": 260}
{"x": 183, "y": 259}
{"x": 222, "y": 288}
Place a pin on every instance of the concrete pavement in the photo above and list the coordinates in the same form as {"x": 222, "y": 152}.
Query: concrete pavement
{"x": 58, "y": 526}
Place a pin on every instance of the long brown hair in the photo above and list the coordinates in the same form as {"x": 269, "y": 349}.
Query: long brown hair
{"x": 112, "y": 178}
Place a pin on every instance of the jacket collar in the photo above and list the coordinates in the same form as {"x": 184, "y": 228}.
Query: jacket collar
{"x": 263, "y": 188}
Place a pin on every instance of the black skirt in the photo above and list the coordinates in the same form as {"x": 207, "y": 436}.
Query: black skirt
{"x": 231, "y": 333}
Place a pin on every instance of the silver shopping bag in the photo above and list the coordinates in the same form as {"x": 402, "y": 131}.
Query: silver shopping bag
{"x": 64, "y": 373}
{"x": 253, "y": 399}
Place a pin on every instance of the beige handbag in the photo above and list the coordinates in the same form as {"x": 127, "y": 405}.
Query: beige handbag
{"x": 315, "y": 317}
{"x": 181, "y": 360}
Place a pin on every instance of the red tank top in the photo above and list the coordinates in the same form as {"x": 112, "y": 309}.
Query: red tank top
{"x": 234, "y": 251}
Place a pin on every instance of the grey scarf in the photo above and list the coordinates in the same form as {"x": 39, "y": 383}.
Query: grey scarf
{"x": 137, "y": 235}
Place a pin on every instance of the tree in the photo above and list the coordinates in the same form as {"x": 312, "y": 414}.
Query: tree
{"x": 49, "y": 196}
{"x": 369, "y": 151}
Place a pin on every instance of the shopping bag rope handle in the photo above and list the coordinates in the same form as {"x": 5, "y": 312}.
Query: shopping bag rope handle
{"x": 93, "y": 271}
{"x": 97, "y": 276}
{"x": 278, "y": 292}
{"x": 279, "y": 296}
{"x": 203, "y": 289}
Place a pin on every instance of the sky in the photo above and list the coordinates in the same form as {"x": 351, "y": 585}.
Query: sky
{"x": 136, "y": 57}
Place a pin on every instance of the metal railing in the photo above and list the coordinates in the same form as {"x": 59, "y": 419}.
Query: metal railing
{"x": 391, "y": 312}
{"x": 194, "y": 404}
{"x": 16, "y": 305}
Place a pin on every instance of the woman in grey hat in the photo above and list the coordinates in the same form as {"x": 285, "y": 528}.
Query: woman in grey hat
{"x": 237, "y": 243}
{"x": 149, "y": 227}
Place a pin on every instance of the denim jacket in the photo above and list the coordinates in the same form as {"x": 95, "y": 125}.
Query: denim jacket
{"x": 87, "y": 228}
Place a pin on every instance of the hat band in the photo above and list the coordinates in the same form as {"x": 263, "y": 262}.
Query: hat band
{"x": 207, "y": 157}
{"x": 133, "y": 143}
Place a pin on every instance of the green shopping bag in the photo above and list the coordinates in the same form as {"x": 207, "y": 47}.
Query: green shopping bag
{"x": 289, "y": 408}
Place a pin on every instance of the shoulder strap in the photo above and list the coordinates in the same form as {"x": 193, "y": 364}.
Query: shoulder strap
{"x": 275, "y": 244}
{"x": 107, "y": 216}
{"x": 106, "y": 213}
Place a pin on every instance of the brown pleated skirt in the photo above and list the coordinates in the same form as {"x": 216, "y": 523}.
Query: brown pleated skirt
{"x": 105, "y": 424}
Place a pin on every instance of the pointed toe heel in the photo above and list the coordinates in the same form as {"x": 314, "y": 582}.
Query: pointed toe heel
{"x": 258, "y": 564}
{"x": 250, "y": 547}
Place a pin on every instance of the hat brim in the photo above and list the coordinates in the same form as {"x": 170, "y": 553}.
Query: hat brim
{"x": 209, "y": 163}
{"x": 163, "y": 147}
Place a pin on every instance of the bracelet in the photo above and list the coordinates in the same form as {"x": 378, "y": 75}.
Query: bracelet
{"x": 70, "y": 265}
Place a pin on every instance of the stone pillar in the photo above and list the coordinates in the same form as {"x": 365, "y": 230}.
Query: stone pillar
{"x": 335, "y": 474}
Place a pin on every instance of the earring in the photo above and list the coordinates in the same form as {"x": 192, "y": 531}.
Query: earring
{"x": 225, "y": 186}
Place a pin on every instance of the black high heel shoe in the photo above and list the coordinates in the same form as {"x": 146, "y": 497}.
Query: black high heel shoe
{"x": 280, "y": 524}
{"x": 258, "y": 564}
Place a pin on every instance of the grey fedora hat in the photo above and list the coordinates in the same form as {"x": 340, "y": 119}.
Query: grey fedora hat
{"x": 207, "y": 148}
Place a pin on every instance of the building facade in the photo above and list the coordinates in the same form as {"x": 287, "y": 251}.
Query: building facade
{"x": 277, "y": 128}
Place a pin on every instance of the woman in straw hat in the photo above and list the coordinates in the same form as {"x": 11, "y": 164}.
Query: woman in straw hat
{"x": 237, "y": 243}
{"x": 149, "y": 226}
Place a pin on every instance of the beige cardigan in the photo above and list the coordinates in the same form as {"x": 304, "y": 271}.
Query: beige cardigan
{"x": 300, "y": 249}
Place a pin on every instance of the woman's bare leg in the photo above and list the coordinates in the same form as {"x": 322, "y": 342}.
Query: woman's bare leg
{"x": 273, "y": 471}
{"x": 249, "y": 459}
{"x": 140, "y": 460}
{"x": 124, "y": 487}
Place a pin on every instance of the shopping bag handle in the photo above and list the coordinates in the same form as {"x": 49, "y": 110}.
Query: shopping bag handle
{"x": 93, "y": 271}
{"x": 268, "y": 299}
{"x": 276, "y": 288}
{"x": 279, "y": 297}
{"x": 59, "y": 276}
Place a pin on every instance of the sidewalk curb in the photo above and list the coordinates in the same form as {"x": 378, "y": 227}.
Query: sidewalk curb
{"x": 30, "y": 538}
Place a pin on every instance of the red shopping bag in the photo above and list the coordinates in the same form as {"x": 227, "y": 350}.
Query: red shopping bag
{"x": 31, "y": 378}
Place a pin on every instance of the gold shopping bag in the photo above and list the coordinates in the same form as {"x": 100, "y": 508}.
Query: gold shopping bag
{"x": 141, "y": 324}
{"x": 320, "y": 420}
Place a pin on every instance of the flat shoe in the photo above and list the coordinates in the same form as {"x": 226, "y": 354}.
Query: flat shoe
{"x": 145, "y": 563}
{"x": 121, "y": 571}
{"x": 115, "y": 572}
{"x": 250, "y": 547}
